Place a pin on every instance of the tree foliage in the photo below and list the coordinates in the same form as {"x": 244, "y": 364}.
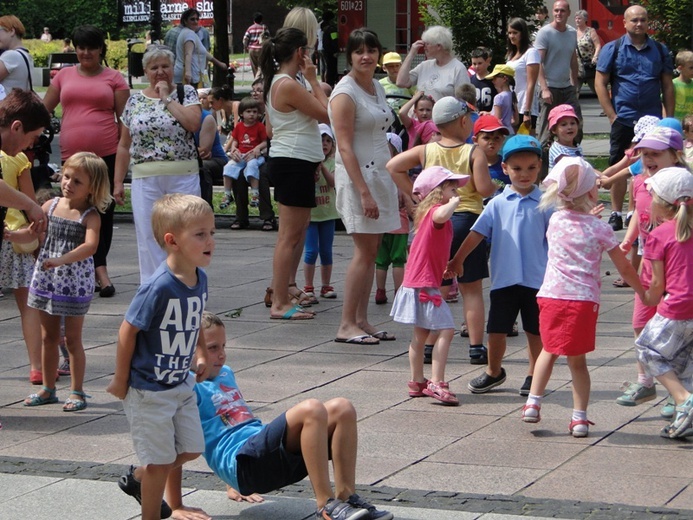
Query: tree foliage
{"x": 317, "y": 6}
{"x": 672, "y": 21}
{"x": 475, "y": 23}
{"x": 62, "y": 16}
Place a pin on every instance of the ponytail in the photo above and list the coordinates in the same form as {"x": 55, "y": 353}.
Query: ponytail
{"x": 278, "y": 50}
{"x": 684, "y": 219}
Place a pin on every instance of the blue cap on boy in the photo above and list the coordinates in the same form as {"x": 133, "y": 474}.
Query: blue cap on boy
{"x": 520, "y": 143}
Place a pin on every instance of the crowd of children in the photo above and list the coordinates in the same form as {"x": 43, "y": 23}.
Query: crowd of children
{"x": 469, "y": 196}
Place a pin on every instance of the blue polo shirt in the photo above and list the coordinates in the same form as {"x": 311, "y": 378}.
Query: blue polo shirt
{"x": 517, "y": 230}
{"x": 636, "y": 86}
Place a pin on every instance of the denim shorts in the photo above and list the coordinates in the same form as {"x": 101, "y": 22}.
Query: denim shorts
{"x": 263, "y": 464}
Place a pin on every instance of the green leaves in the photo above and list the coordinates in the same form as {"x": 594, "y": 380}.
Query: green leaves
{"x": 473, "y": 25}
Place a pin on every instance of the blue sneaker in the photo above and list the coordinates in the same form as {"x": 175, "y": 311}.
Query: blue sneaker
{"x": 335, "y": 509}
{"x": 359, "y": 502}
{"x": 683, "y": 420}
{"x": 668, "y": 409}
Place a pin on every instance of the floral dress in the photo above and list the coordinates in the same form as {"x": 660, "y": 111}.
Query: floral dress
{"x": 65, "y": 290}
{"x": 586, "y": 50}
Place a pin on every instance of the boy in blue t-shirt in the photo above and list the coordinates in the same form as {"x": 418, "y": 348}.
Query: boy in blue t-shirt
{"x": 251, "y": 457}
{"x": 156, "y": 343}
{"x": 519, "y": 252}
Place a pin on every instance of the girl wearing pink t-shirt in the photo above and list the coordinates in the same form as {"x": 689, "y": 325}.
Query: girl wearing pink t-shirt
{"x": 569, "y": 296}
{"x": 420, "y": 128}
{"x": 665, "y": 346}
{"x": 660, "y": 148}
{"x": 418, "y": 301}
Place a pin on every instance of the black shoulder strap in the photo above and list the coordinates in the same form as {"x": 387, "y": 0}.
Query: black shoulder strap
{"x": 180, "y": 90}
{"x": 28, "y": 67}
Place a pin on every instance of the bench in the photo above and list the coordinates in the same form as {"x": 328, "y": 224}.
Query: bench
{"x": 58, "y": 60}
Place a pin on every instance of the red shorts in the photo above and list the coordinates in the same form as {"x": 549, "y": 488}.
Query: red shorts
{"x": 567, "y": 327}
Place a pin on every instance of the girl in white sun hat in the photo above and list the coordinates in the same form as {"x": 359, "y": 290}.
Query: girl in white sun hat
{"x": 665, "y": 345}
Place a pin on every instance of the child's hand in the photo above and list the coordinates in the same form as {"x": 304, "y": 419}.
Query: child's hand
{"x": 237, "y": 497}
{"x": 597, "y": 210}
{"x": 454, "y": 201}
{"x": 189, "y": 513}
{"x": 453, "y": 269}
{"x": 604, "y": 181}
{"x": 117, "y": 388}
{"x": 202, "y": 369}
{"x": 625, "y": 246}
{"x": 50, "y": 263}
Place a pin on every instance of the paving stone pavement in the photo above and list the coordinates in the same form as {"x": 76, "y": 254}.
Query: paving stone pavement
{"x": 416, "y": 458}
{"x": 426, "y": 460}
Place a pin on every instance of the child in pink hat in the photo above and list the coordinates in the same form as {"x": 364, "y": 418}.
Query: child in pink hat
{"x": 418, "y": 301}
{"x": 564, "y": 125}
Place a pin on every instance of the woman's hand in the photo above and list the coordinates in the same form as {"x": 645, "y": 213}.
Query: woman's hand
{"x": 307, "y": 67}
{"x": 119, "y": 193}
{"x": 163, "y": 88}
{"x": 417, "y": 47}
{"x": 370, "y": 207}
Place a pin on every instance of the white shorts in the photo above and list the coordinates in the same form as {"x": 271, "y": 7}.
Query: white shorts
{"x": 164, "y": 424}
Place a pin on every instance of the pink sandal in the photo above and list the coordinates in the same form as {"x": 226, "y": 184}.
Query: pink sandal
{"x": 583, "y": 430}
{"x": 531, "y": 418}
{"x": 416, "y": 389}
{"x": 441, "y": 392}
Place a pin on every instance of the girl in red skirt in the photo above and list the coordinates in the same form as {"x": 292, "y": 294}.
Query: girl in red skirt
{"x": 569, "y": 297}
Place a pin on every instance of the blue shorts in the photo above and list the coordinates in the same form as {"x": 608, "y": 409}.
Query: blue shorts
{"x": 263, "y": 464}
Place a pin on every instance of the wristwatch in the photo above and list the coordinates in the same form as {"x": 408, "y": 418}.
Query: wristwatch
{"x": 167, "y": 100}
{"x": 526, "y": 113}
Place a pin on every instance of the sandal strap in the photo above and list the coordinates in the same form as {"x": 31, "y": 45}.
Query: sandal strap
{"x": 80, "y": 393}
{"x": 46, "y": 389}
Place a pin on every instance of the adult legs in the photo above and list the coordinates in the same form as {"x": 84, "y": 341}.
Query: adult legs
{"x": 31, "y": 327}
{"x": 144, "y": 193}
{"x": 619, "y": 140}
{"x": 294, "y": 221}
{"x": 106, "y": 231}
{"x": 358, "y": 284}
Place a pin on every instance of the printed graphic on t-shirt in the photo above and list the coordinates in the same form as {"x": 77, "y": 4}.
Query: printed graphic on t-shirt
{"x": 178, "y": 331}
{"x": 323, "y": 193}
{"x": 231, "y": 407}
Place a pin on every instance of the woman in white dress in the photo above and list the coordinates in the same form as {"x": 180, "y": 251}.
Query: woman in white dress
{"x": 525, "y": 59}
{"x": 366, "y": 195}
